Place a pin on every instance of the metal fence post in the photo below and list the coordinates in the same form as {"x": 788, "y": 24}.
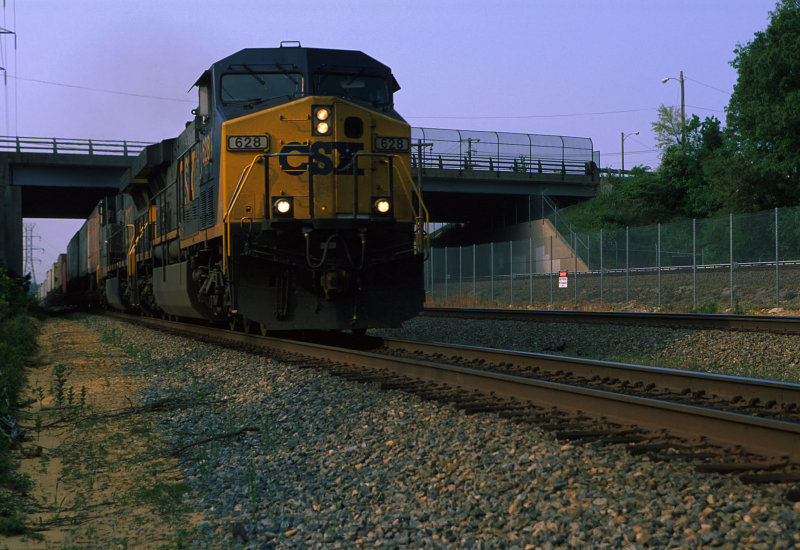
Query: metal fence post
{"x": 694, "y": 262}
{"x": 433, "y": 280}
{"x": 658, "y": 263}
{"x": 777, "y": 265}
{"x": 446, "y": 275}
{"x": 551, "y": 270}
{"x": 511, "y": 271}
{"x": 474, "y": 277}
{"x": 575, "y": 254}
{"x": 460, "y": 260}
{"x": 601, "y": 267}
{"x": 530, "y": 269}
{"x": 730, "y": 237}
{"x": 491, "y": 267}
{"x": 627, "y": 267}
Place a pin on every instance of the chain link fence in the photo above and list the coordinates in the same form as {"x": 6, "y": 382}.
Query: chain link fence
{"x": 749, "y": 261}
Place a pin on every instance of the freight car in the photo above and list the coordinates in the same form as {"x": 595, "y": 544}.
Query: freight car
{"x": 286, "y": 203}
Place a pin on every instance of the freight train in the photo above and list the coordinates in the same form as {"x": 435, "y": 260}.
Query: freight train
{"x": 286, "y": 203}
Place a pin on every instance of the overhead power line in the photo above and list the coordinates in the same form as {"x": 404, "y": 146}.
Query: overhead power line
{"x": 540, "y": 116}
{"x": 102, "y": 90}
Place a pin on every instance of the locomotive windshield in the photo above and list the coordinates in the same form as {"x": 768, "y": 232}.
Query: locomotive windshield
{"x": 372, "y": 89}
{"x": 254, "y": 87}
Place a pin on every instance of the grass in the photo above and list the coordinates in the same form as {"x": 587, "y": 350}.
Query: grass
{"x": 118, "y": 450}
{"x": 17, "y": 341}
{"x": 164, "y": 498}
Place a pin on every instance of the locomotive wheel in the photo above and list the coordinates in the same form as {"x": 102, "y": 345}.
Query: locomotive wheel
{"x": 263, "y": 328}
{"x": 234, "y": 323}
{"x": 247, "y": 325}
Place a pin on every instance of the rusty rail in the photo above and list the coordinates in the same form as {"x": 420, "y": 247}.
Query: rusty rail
{"x": 762, "y": 436}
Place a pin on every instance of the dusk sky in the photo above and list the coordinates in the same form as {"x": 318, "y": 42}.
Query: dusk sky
{"x": 112, "y": 69}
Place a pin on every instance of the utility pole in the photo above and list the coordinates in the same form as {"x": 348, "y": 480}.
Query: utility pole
{"x": 27, "y": 238}
{"x": 469, "y": 150}
{"x": 683, "y": 101}
{"x": 4, "y": 31}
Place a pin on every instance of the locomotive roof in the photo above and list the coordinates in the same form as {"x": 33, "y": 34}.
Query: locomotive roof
{"x": 305, "y": 60}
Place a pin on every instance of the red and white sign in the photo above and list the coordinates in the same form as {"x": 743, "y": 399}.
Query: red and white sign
{"x": 562, "y": 279}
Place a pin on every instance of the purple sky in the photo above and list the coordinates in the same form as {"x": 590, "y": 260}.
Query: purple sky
{"x": 587, "y": 68}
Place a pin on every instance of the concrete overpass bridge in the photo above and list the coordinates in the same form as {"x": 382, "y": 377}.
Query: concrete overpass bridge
{"x": 467, "y": 176}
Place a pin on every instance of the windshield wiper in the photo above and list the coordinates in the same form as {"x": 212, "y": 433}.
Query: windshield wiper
{"x": 254, "y": 74}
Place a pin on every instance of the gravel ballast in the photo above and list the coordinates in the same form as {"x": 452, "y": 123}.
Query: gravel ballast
{"x": 284, "y": 457}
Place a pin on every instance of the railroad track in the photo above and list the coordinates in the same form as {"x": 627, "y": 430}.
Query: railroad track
{"x": 714, "y": 321}
{"x": 722, "y": 424}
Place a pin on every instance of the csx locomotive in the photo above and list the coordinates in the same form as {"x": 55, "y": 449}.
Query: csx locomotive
{"x": 286, "y": 203}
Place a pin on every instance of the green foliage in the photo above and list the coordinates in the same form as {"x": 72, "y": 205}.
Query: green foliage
{"x": 165, "y": 498}
{"x": 17, "y": 340}
{"x": 764, "y": 109}
{"x": 667, "y": 126}
{"x": 750, "y": 166}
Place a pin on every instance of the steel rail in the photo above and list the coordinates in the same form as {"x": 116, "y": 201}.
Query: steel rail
{"x": 713, "y": 321}
{"x": 723, "y": 386}
{"x": 762, "y": 436}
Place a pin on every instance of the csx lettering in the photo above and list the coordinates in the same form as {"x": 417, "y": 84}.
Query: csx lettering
{"x": 321, "y": 156}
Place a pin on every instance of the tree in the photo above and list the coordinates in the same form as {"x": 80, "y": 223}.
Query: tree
{"x": 667, "y": 127}
{"x": 764, "y": 109}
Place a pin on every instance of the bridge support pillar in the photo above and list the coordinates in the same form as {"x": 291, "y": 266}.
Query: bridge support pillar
{"x": 10, "y": 221}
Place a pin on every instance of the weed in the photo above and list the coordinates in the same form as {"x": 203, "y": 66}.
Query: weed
{"x": 44, "y": 462}
{"x": 179, "y": 541}
{"x": 251, "y": 487}
{"x": 60, "y": 379}
{"x": 706, "y": 307}
{"x": 164, "y": 498}
{"x": 207, "y": 458}
{"x": 266, "y": 435}
{"x": 111, "y": 336}
{"x": 40, "y": 394}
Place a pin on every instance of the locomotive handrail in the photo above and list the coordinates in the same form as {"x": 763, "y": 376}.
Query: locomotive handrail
{"x": 225, "y": 223}
{"x": 409, "y": 192}
{"x": 418, "y": 219}
{"x": 132, "y": 249}
{"x": 242, "y": 178}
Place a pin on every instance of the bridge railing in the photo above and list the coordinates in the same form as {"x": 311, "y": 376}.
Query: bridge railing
{"x": 502, "y": 151}
{"x": 16, "y": 144}
{"x": 504, "y": 164}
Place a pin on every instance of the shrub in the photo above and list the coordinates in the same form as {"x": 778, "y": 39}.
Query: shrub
{"x": 17, "y": 340}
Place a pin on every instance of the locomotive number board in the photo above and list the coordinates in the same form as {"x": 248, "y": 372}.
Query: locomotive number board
{"x": 392, "y": 144}
{"x": 239, "y": 143}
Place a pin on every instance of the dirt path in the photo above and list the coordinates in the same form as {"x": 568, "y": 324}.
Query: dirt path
{"x": 103, "y": 478}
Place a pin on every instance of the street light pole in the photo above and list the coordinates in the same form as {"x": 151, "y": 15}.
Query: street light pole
{"x": 683, "y": 100}
{"x": 622, "y": 147}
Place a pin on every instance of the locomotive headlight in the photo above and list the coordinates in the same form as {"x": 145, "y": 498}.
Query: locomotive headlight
{"x": 322, "y": 125}
{"x": 282, "y": 207}
{"x": 381, "y": 207}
